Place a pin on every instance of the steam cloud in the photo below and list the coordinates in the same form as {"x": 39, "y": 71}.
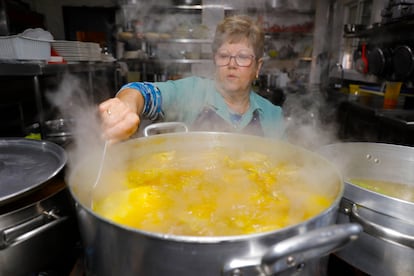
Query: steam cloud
{"x": 307, "y": 125}
{"x": 310, "y": 120}
{"x": 75, "y": 103}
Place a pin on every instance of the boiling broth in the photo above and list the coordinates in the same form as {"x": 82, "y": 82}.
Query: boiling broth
{"x": 388, "y": 188}
{"x": 213, "y": 193}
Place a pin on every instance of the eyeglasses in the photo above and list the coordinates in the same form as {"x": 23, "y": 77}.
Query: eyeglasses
{"x": 242, "y": 60}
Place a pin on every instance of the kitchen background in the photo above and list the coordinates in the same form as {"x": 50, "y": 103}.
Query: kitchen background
{"x": 326, "y": 62}
{"x": 314, "y": 51}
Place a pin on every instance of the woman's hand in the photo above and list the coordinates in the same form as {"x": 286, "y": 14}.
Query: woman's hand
{"x": 119, "y": 119}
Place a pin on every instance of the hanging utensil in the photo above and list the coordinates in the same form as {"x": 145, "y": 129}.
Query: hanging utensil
{"x": 364, "y": 58}
{"x": 362, "y": 62}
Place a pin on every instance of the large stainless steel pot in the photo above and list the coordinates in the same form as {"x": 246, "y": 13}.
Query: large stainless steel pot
{"x": 38, "y": 228}
{"x": 386, "y": 247}
{"x": 112, "y": 249}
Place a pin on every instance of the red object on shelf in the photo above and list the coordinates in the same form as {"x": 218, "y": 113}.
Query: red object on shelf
{"x": 364, "y": 58}
{"x": 55, "y": 58}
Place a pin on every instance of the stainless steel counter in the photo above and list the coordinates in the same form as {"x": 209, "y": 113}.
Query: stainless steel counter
{"x": 362, "y": 122}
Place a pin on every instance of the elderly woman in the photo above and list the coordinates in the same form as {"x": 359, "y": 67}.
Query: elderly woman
{"x": 226, "y": 103}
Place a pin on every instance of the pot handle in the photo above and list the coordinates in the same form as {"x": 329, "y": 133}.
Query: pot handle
{"x": 30, "y": 228}
{"x": 295, "y": 251}
{"x": 165, "y": 126}
{"x": 380, "y": 231}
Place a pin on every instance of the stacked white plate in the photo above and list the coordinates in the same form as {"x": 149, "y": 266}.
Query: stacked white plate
{"x": 74, "y": 51}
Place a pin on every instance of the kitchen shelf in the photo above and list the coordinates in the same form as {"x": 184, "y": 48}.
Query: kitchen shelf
{"x": 36, "y": 69}
{"x": 377, "y": 90}
{"x": 160, "y": 9}
{"x": 183, "y": 40}
{"x": 186, "y": 61}
{"x": 188, "y": 7}
{"x": 202, "y": 7}
{"x": 273, "y": 35}
{"x": 158, "y": 60}
{"x": 377, "y": 29}
{"x": 353, "y": 75}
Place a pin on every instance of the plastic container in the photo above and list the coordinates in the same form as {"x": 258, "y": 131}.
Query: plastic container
{"x": 391, "y": 94}
{"x": 17, "y": 47}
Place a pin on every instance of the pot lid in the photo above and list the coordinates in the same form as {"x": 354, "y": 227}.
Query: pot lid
{"x": 377, "y": 60}
{"x": 403, "y": 62}
{"x": 27, "y": 164}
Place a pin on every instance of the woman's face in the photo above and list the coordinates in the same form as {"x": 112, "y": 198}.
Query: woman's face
{"x": 237, "y": 74}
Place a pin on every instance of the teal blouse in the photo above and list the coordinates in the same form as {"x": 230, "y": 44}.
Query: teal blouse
{"x": 184, "y": 99}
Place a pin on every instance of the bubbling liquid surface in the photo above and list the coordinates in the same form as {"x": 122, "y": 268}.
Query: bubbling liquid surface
{"x": 211, "y": 193}
{"x": 388, "y": 188}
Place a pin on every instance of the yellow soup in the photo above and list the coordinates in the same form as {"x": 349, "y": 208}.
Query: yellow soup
{"x": 211, "y": 194}
{"x": 392, "y": 189}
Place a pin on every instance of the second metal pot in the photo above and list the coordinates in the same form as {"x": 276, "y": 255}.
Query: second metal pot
{"x": 386, "y": 247}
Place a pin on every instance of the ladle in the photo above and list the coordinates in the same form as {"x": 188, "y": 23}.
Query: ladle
{"x": 169, "y": 126}
{"x": 101, "y": 165}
